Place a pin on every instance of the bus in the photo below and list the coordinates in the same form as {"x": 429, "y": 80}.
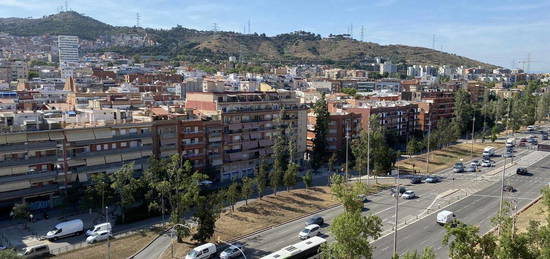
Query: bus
{"x": 302, "y": 250}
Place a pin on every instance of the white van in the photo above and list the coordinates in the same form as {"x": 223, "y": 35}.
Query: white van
{"x": 488, "y": 152}
{"x": 99, "y": 227}
{"x": 38, "y": 251}
{"x": 203, "y": 251}
{"x": 445, "y": 217}
{"x": 65, "y": 229}
{"x": 510, "y": 142}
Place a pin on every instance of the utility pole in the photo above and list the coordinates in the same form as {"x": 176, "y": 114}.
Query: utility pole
{"x": 428, "y": 153}
{"x": 362, "y": 32}
{"x": 473, "y": 137}
{"x": 368, "y": 151}
{"x": 137, "y": 20}
{"x": 108, "y": 238}
{"x": 396, "y": 212}
{"x": 347, "y": 149}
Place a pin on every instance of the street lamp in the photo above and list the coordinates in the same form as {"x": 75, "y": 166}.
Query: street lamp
{"x": 227, "y": 243}
{"x": 172, "y": 236}
{"x": 108, "y": 239}
{"x": 347, "y": 151}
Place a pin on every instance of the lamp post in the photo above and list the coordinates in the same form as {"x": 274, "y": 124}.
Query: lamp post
{"x": 368, "y": 151}
{"x": 396, "y": 212}
{"x": 172, "y": 236}
{"x": 347, "y": 149}
{"x": 108, "y": 239}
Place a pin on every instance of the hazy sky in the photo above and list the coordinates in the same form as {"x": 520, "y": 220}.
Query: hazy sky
{"x": 494, "y": 31}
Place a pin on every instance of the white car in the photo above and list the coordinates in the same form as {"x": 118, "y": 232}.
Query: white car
{"x": 408, "y": 195}
{"x": 475, "y": 163}
{"x": 310, "y": 231}
{"x": 486, "y": 163}
{"x": 99, "y": 236}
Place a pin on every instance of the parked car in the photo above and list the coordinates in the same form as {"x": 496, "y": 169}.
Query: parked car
{"x": 99, "y": 236}
{"x": 508, "y": 188}
{"x": 487, "y": 163}
{"x": 522, "y": 171}
{"x": 232, "y": 251}
{"x": 470, "y": 169}
{"x": 310, "y": 231}
{"x": 432, "y": 179}
{"x": 318, "y": 220}
{"x": 530, "y": 128}
{"x": 360, "y": 197}
{"x": 65, "y": 229}
{"x": 416, "y": 180}
{"x": 408, "y": 195}
{"x": 203, "y": 251}
{"x": 97, "y": 228}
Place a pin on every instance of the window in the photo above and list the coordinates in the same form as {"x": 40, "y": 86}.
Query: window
{"x": 123, "y": 144}
{"x": 122, "y": 132}
{"x": 113, "y": 146}
{"x": 98, "y": 147}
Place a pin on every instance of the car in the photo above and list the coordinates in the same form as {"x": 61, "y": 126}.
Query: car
{"x": 233, "y": 251}
{"x": 318, "y": 220}
{"x": 401, "y": 190}
{"x": 470, "y": 169}
{"x": 37, "y": 251}
{"x": 530, "y": 128}
{"x": 458, "y": 168}
{"x": 487, "y": 163}
{"x": 416, "y": 180}
{"x": 432, "y": 179}
{"x": 475, "y": 163}
{"x": 508, "y": 188}
{"x": 508, "y": 154}
{"x": 522, "y": 171}
{"x": 3, "y": 247}
{"x": 534, "y": 142}
{"x": 360, "y": 197}
{"x": 99, "y": 236}
{"x": 545, "y": 136}
{"x": 408, "y": 195}
{"x": 309, "y": 231}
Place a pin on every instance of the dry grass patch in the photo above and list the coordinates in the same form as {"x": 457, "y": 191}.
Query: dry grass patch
{"x": 537, "y": 212}
{"x": 444, "y": 158}
{"x": 120, "y": 248}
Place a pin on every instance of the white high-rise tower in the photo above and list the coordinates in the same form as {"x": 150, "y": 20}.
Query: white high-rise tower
{"x": 68, "y": 50}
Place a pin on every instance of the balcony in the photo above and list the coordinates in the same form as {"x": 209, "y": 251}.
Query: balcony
{"x": 29, "y": 161}
{"x": 114, "y": 138}
{"x": 29, "y": 147}
{"x": 52, "y": 188}
{"x": 111, "y": 152}
{"x": 46, "y": 175}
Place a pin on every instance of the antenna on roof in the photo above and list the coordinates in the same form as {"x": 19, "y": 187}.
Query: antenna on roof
{"x": 66, "y": 5}
{"x": 362, "y": 32}
{"x": 137, "y": 20}
{"x": 433, "y": 42}
{"x": 249, "y": 31}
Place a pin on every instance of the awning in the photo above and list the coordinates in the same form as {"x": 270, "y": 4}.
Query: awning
{"x": 83, "y": 177}
{"x": 16, "y": 138}
{"x": 12, "y": 186}
{"x": 103, "y": 133}
{"x": 147, "y": 141}
{"x": 113, "y": 158}
{"x": 100, "y": 160}
{"x": 76, "y": 162}
{"x": 56, "y": 135}
{"x": 2, "y": 139}
{"x": 39, "y": 136}
{"x": 19, "y": 169}
{"x": 131, "y": 156}
{"x": 5, "y": 171}
{"x": 79, "y": 135}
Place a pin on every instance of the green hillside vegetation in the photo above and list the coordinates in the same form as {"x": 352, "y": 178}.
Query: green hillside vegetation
{"x": 181, "y": 43}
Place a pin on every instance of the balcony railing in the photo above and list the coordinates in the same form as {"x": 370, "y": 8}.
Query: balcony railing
{"x": 29, "y": 161}
{"x": 29, "y": 176}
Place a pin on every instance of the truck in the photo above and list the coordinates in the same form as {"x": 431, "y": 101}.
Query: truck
{"x": 488, "y": 152}
{"x": 65, "y": 229}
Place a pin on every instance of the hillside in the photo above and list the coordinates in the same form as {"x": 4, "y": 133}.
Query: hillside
{"x": 194, "y": 45}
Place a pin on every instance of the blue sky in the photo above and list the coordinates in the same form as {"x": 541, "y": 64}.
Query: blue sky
{"x": 494, "y": 31}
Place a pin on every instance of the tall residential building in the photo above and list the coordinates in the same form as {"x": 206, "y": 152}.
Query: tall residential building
{"x": 250, "y": 121}
{"x": 68, "y": 49}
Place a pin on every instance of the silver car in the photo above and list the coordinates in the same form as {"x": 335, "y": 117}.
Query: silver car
{"x": 232, "y": 251}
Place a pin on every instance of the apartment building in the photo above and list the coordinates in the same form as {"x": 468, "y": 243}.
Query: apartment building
{"x": 36, "y": 166}
{"x": 398, "y": 117}
{"x": 68, "y": 49}
{"x": 250, "y": 120}
{"x": 434, "y": 107}
{"x": 339, "y": 124}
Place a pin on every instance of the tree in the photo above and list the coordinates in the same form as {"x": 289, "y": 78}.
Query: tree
{"x": 99, "y": 192}
{"x": 413, "y": 146}
{"x": 321, "y": 129}
{"x": 494, "y": 133}
{"x": 352, "y": 232}
{"x": 332, "y": 162}
{"x": 232, "y": 195}
{"x": 291, "y": 173}
{"x": 275, "y": 178}
{"x": 464, "y": 241}
{"x": 21, "y": 211}
{"x": 359, "y": 151}
{"x": 349, "y": 91}
{"x": 261, "y": 178}
{"x": 463, "y": 110}
{"x": 247, "y": 188}
{"x": 307, "y": 179}
{"x": 348, "y": 194}
{"x": 125, "y": 185}
{"x": 208, "y": 210}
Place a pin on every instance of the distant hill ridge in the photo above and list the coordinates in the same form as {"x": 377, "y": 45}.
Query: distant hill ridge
{"x": 195, "y": 45}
